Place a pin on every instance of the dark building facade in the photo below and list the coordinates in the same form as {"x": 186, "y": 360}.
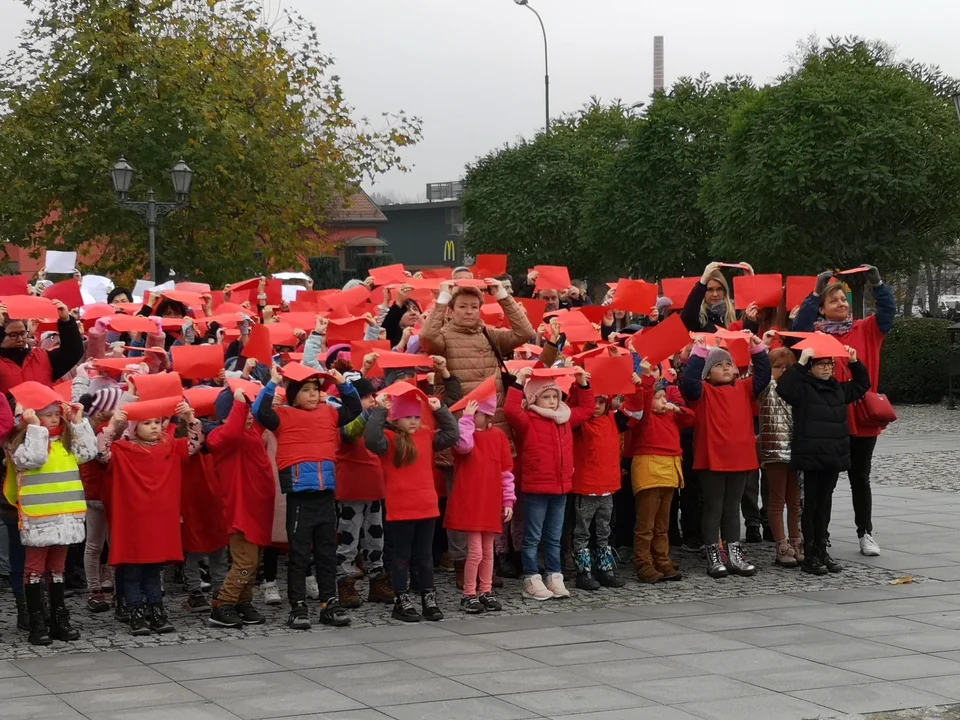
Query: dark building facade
{"x": 429, "y": 234}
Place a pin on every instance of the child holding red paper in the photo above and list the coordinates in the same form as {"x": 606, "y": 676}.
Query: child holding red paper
{"x": 481, "y": 499}
{"x": 725, "y": 448}
{"x": 406, "y": 449}
{"x": 143, "y": 497}
{"x": 54, "y": 439}
{"x": 543, "y": 426}
{"x": 656, "y": 472}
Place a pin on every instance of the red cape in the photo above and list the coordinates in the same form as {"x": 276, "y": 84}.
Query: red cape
{"x": 201, "y": 506}
{"x": 144, "y": 502}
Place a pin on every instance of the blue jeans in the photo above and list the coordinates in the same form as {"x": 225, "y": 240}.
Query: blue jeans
{"x": 17, "y": 553}
{"x": 542, "y": 519}
{"x": 142, "y": 582}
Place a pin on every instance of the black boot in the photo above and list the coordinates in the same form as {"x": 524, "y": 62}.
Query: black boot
{"x": 137, "y": 617}
{"x": 506, "y": 566}
{"x": 832, "y": 565}
{"x": 33, "y": 594}
{"x": 23, "y": 615}
{"x": 606, "y": 569}
{"x": 430, "y": 610}
{"x": 585, "y": 578}
{"x": 331, "y": 613}
{"x": 157, "y": 619}
{"x": 811, "y": 562}
{"x": 60, "y": 628}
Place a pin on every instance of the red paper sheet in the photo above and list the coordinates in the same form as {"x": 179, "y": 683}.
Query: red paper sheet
{"x": 359, "y": 349}
{"x": 554, "y": 372}
{"x": 281, "y": 334}
{"x": 162, "y": 385}
{"x": 129, "y": 308}
{"x": 490, "y": 266}
{"x": 823, "y": 345}
{"x": 32, "y": 395}
{"x": 132, "y": 323}
{"x": 535, "y": 309}
{"x": 635, "y": 296}
{"x": 64, "y": 390}
{"x": 13, "y": 285}
{"x": 183, "y": 296}
{"x": 203, "y": 400}
{"x": 150, "y": 409}
{"x": 492, "y": 315}
{"x": 577, "y": 333}
{"x": 197, "y": 362}
{"x": 67, "y": 292}
{"x": 798, "y": 288}
{"x": 514, "y": 366}
{"x": 552, "y": 277}
{"x": 298, "y": 372}
{"x": 92, "y": 313}
{"x": 388, "y": 274}
{"x": 484, "y": 391}
{"x": 259, "y": 346}
{"x": 595, "y": 313}
{"x": 340, "y": 331}
{"x": 611, "y": 375}
{"x": 854, "y": 271}
{"x": 389, "y": 360}
{"x": 196, "y": 287}
{"x": 250, "y": 388}
{"x": 765, "y": 290}
{"x": 438, "y": 273}
{"x": 678, "y": 290}
{"x": 658, "y": 343}
{"x": 740, "y": 352}
{"x": 347, "y": 298}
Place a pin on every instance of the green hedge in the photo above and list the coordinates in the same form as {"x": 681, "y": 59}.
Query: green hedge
{"x": 372, "y": 260}
{"x": 915, "y": 361}
{"x": 325, "y": 272}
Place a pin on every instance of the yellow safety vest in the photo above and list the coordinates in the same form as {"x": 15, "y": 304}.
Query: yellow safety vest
{"x": 55, "y": 489}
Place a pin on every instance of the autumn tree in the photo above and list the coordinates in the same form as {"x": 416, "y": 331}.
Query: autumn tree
{"x": 251, "y": 106}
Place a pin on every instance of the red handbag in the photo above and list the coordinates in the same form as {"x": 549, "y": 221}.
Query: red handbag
{"x": 874, "y": 410}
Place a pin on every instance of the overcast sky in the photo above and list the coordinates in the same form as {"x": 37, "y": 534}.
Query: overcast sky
{"x": 473, "y": 69}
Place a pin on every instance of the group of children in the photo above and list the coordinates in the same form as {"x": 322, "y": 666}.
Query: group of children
{"x": 343, "y": 470}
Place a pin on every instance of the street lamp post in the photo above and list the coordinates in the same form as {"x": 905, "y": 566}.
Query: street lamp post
{"x": 151, "y": 211}
{"x": 546, "y": 64}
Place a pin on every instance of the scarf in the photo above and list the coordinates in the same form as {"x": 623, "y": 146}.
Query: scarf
{"x": 719, "y": 309}
{"x": 17, "y": 355}
{"x": 834, "y": 327}
{"x": 559, "y": 416}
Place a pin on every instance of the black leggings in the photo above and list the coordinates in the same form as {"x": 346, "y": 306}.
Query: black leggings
{"x": 722, "y": 492}
{"x": 412, "y": 554}
{"x": 861, "y": 461}
{"x": 818, "y": 490}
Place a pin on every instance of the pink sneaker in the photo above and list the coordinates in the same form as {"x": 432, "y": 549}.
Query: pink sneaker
{"x": 555, "y": 585}
{"x": 534, "y": 589}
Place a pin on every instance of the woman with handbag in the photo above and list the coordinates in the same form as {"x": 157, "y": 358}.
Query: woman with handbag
{"x": 828, "y": 310}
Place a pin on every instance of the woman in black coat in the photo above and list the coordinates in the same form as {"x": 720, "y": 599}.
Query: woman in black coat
{"x": 821, "y": 442}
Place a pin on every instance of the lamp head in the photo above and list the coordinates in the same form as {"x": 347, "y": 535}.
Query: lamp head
{"x": 182, "y": 177}
{"x": 521, "y": 2}
{"x": 121, "y": 175}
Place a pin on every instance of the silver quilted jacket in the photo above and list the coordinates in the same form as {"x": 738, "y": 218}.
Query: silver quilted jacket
{"x": 776, "y": 427}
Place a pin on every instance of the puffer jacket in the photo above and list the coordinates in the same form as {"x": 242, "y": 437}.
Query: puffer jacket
{"x": 776, "y": 427}
{"x": 469, "y": 356}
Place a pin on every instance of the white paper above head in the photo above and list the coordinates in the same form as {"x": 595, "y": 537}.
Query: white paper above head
{"x": 291, "y": 276}
{"x": 290, "y": 292}
{"x": 140, "y": 288}
{"x": 89, "y": 299}
{"x": 60, "y": 262}
{"x": 96, "y": 286}
{"x": 168, "y": 285}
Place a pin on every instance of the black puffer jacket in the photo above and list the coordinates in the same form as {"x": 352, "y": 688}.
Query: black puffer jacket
{"x": 821, "y": 436}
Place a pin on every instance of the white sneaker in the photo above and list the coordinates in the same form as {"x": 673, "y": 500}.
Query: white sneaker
{"x": 869, "y": 547}
{"x": 271, "y": 595}
{"x": 555, "y": 585}
{"x": 534, "y": 589}
{"x": 313, "y": 592}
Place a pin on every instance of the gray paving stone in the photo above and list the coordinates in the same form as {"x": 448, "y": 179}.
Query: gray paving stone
{"x": 654, "y": 712}
{"x": 515, "y": 681}
{"x": 38, "y": 707}
{"x": 908, "y": 667}
{"x": 727, "y": 621}
{"x": 266, "y": 685}
{"x": 776, "y": 636}
{"x": 15, "y": 687}
{"x": 765, "y": 602}
{"x": 325, "y": 657}
{"x": 257, "y": 707}
{"x": 949, "y": 619}
{"x": 217, "y": 667}
{"x": 377, "y": 693}
{"x": 944, "y": 573}
{"x": 406, "y": 650}
{"x": 693, "y": 689}
{"x": 875, "y": 627}
{"x": 9, "y": 670}
{"x": 843, "y": 650}
{"x": 927, "y": 642}
{"x": 741, "y": 662}
{"x": 542, "y": 637}
{"x": 820, "y": 676}
{"x": 946, "y": 685}
{"x": 453, "y": 665}
{"x": 366, "y": 714}
{"x": 174, "y": 653}
{"x": 347, "y": 676}
{"x": 635, "y": 629}
{"x": 755, "y": 707}
{"x": 70, "y": 663}
{"x": 189, "y": 711}
{"x": 101, "y": 679}
{"x": 875, "y": 697}
{"x": 680, "y": 609}
{"x": 92, "y": 702}
{"x": 574, "y": 700}
{"x": 481, "y": 708}
{"x": 684, "y": 644}
{"x": 582, "y": 653}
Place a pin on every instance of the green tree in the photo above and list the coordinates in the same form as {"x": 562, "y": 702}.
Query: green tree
{"x": 644, "y": 210}
{"x": 252, "y": 107}
{"x": 849, "y": 159}
{"x": 527, "y": 199}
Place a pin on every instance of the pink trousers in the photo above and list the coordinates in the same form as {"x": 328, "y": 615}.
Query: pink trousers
{"x": 41, "y": 560}
{"x": 479, "y": 565}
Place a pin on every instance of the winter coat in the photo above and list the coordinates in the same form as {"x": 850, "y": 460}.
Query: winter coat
{"x": 545, "y": 448}
{"x": 776, "y": 427}
{"x": 821, "y": 435}
{"x": 467, "y": 349}
{"x": 43, "y": 366}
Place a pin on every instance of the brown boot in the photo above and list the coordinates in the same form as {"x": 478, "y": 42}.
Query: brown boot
{"x": 347, "y": 593}
{"x": 497, "y": 581}
{"x": 360, "y": 564}
{"x": 381, "y": 589}
{"x": 458, "y": 567}
{"x": 669, "y": 571}
{"x": 648, "y": 574}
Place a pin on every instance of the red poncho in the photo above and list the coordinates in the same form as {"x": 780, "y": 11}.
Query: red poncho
{"x": 201, "y": 506}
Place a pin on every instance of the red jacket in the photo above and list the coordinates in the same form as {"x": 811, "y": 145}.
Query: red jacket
{"x": 476, "y": 503}
{"x": 866, "y": 338}
{"x": 547, "y": 458}
{"x": 596, "y": 456}
{"x": 204, "y": 527}
{"x": 246, "y": 476}
{"x": 657, "y": 434}
{"x": 410, "y": 492}
{"x": 36, "y": 367}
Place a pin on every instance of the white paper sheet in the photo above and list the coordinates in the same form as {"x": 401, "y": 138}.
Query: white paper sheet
{"x": 291, "y": 276}
{"x": 290, "y": 292}
{"x": 60, "y": 262}
{"x": 95, "y": 286}
{"x": 140, "y": 288}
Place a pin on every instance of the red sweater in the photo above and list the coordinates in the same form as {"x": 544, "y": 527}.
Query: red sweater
{"x": 657, "y": 434}
{"x": 596, "y": 456}
{"x": 723, "y": 439}
{"x": 476, "y": 504}
{"x": 410, "y": 492}
{"x": 864, "y": 337}
{"x": 246, "y": 476}
{"x": 204, "y": 526}
{"x": 307, "y": 435}
{"x": 36, "y": 367}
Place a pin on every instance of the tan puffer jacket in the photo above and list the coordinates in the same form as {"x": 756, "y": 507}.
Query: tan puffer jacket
{"x": 469, "y": 356}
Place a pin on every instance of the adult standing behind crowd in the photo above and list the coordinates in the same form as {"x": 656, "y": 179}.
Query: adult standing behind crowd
{"x": 709, "y": 305}
{"x": 19, "y": 362}
{"x": 828, "y": 310}
{"x": 473, "y": 352}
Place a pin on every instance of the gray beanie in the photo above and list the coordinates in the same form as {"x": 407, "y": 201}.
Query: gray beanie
{"x": 351, "y": 284}
{"x": 716, "y": 356}
{"x": 663, "y": 304}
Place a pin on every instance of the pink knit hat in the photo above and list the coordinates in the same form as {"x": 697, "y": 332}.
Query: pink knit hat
{"x": 406, "y": 405}
{"x": 488, "y": 406}
{"x": 536, "y": 386}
